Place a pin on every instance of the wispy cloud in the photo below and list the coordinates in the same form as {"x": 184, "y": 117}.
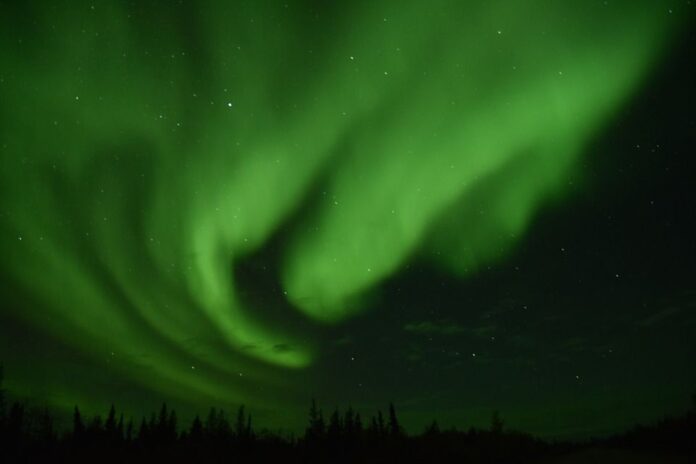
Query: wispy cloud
{"x": 658, "y": 317}
{"x": 434, "y": 328}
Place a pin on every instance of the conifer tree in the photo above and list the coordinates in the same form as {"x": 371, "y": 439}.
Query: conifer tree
{"x": 358, "y": 425}
{"x": 394, "y": 427}
{"x": 78, "y": 425}
{"x": 432, "y": 429}
{"x": 45, "y": 431}
{"x": 241, "y": 423}
{"x": 348, "y": 422}
{"x": 129, "y": 430}
{"x": 334, "y": 430}
{"x": 143, "y": 431}
{"x": 496, "y": 423}
{"x": 110, "y": 424}
{"x": 196, "y": 430}
{"x": 316, "y": 428}
{"x": 163, "y": 423}
{"x": 211, "y": 423}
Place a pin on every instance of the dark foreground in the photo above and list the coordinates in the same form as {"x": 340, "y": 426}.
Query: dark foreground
{"x": 28, "y": 435}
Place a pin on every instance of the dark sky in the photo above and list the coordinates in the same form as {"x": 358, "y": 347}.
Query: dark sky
{"x": 458, "y": 209}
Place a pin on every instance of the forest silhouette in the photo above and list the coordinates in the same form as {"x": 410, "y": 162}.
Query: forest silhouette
{"x": 28, "y": 434}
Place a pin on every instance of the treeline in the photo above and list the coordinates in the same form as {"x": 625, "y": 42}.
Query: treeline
{"x": 28, "y": 435}
{"x": 673, "y": 434}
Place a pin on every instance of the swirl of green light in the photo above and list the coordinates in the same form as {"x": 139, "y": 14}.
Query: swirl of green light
{"x": 145, "y": 152}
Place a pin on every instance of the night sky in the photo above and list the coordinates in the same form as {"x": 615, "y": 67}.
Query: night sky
{"x": 455, "y": 206}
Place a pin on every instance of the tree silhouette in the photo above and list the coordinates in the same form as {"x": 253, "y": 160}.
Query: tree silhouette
{"x": 349, "y": 423}
{"x": 30, "y": 435}
{"x": 216, "y": 425}
{"x": 170, "y": 430}
{"x": 152, "y": 428}
{"x": 373, "y": 428}
{"x": 358, "y": 425}
{"x": 240, "y": 427}
{"x": 211, "y": 423}
{"x": 496, "y": 423}
{"x": 143, "y": 431}
{"x": 334, "y": 431}
{"x": 162, "y": 427}
{"x": 394, "y": 427}
{"x": 433, "y": 429}
{"x": 95, "y": 428}
{"x": 129, "y": 431}
{"x": 110, "y": 425}
{"x": 380, "y": 424}
{"x": 78, "y": 425}
{"x": 196, "y": 430}
{"x": 316, "y": 429}
{"x": 45, "y": 433}
{"x": 249, "y": 430}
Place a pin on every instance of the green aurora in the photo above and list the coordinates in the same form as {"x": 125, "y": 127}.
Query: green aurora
{"x": 150, "y": 153}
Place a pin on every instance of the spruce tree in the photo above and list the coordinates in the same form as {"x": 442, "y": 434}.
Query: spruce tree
{"x": 78, "y": 425}
{"x": 196, "y": 430}
{"x": 241, "y": 423}
{"x": 394, "y": 427}
{"x": 110, "y": 424}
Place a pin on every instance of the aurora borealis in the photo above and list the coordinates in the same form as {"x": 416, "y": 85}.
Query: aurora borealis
{"x": 260, "y": 202}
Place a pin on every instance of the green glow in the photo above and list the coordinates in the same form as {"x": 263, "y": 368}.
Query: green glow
{"x": 144, "y": 154}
